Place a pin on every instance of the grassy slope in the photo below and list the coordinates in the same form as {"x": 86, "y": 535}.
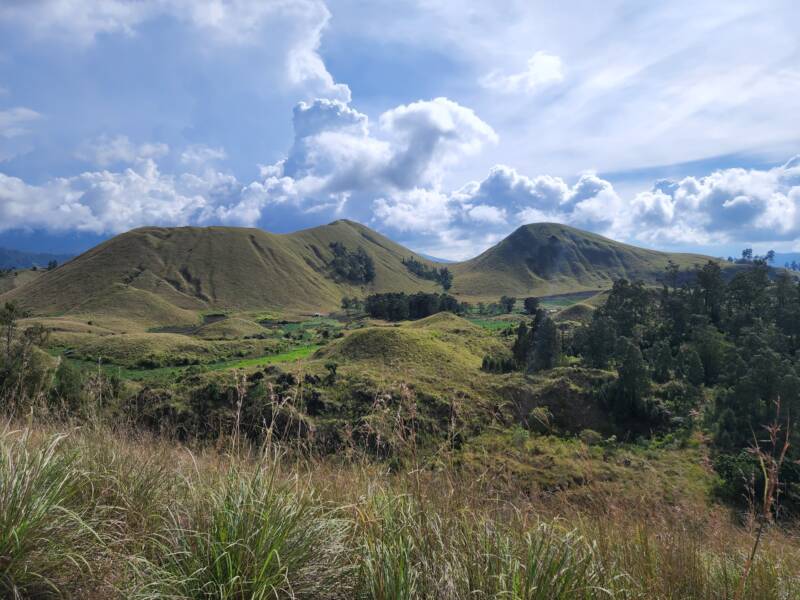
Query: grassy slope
{"x": 17, "y": 279}
{"x": 547, "y": 258}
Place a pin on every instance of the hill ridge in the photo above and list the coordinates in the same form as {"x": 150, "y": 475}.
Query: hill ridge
{"x": 243, "y": 268}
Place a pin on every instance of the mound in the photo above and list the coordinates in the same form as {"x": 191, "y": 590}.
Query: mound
{"x": 444, "y": 321}
{"x": 136, "y": 349}
{"x": 229, "y": 329}
{"x": 394, "y": 346}
{"x": 580, "y": 312}
{"x": 125, "y": 307}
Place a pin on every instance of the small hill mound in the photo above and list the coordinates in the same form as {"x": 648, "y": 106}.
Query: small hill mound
{"x": 580, "y": 313}
{"x": 444, "y": 321}
{"x": 549, "y": 258}
{"x": 229, "y": 329}
{"x": 125, "y": 307}
{"x": 395, "y": 346}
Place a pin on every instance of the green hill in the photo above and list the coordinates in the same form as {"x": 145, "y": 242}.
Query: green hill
{"x": 179, "y": 272}
{"x": 548, "y": 258}
{"x": 157, "y": 276}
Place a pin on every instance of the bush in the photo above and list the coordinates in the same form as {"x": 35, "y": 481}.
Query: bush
{"x": 590, "y": 437}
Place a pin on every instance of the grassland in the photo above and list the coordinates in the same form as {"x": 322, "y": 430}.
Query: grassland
{"x": 97, "y": 513}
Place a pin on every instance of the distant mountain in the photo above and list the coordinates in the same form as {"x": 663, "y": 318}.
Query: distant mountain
{"x": 17, "y": 259}
{"x": 550, "y": 258}
{"x": 156, "y": 275}
{"x": 444, "y": 261}
{"x": 784, "y": 258}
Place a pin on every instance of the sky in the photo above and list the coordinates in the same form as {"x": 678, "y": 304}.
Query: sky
{"x": 443, "y": 124}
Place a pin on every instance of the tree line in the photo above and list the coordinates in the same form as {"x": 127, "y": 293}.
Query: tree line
{"x": 399, "y": 306}
{"x": 443, "y": 276}
{"x": 355, "y": 266}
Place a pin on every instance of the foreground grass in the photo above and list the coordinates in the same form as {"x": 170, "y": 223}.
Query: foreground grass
{"x": 98, "y": 513}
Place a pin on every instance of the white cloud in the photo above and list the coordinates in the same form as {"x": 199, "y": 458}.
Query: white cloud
{"x": 542, "y": 70}
{"x": 295, "y": 27}
{"x": 112, "y": 202}
{"x": 337, "y": 151}
{"x": 725, "y": 206}
{"x": 14, "y": 121}
{"x": 105, "y": 150}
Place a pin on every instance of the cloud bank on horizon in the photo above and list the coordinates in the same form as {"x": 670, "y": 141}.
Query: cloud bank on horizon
{"x": 441, "y": 126}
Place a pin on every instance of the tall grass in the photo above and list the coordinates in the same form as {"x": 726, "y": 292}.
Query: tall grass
{"x": 247, "y": 535}
{"x": 47, "y": 543}
{"x": 112, "y": 514}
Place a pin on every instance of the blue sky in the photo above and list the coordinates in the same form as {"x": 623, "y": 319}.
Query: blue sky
{"x": 444, "y": 125}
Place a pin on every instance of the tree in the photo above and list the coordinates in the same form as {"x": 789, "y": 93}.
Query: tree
{"x": 672, "y": 270}
{"x": 662, "y": 361}
{"x": 10, "y": 315}
{"x": 633, "y": 382}
{"x": 531, "y": 305}
{"x": 627, "y": 306}
{"x": 330, "y": 378}
{"x": 522, "y": 344}
{"x": 693, "y": 366}
{"x": 445, "y": 278}
{"x": 507, "y": 303}
{"x": 712, "y": 289}
{"x": 52, "y": 265}
{"x": 770, "y": 256}
{"x": 357, "y": 267}
{"x": 747, "y": 255}
{"x": 598, "y": 341}
{"x": 546, "y": 346}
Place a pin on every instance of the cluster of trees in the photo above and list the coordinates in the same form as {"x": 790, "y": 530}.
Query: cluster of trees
{"x": 443, "y": 276}
{"x": 399, "y": 306}
{"x": 354, "y": 303}
{"x": 748, "y": 257}
{"x": 537, "y": 347}
{"x": 354, "y": 266}
{"x": 792, "y": 266}
{"x": 736, "y": 343}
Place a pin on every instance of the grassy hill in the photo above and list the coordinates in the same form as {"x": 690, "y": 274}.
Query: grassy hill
{"x": 157, "y": 276}
{"x": 167, "y": 276}
{"x": 548, "y": 258}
